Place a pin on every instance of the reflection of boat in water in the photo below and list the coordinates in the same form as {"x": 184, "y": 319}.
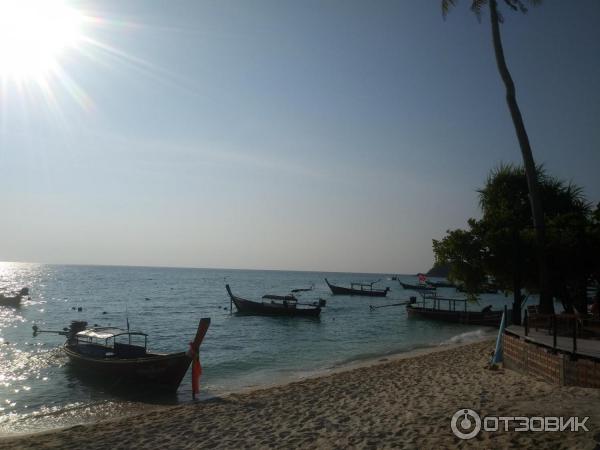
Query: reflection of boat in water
{"x": 360, "y": 289}
{"x": 417, "y": 287}
{"x": 279, "y": 305}
{"x": 452, "y": 313}
{"x": 15, "y": 300}
{"x": 110, "y": 353}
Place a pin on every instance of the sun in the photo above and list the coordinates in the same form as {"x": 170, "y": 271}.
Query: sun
{"x": 34, "y": 34}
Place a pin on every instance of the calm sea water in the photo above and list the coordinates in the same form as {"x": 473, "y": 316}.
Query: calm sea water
{"x": 39, "y": 391}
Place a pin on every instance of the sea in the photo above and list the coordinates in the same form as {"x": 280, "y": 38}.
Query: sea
{"x": 40, "y": 391}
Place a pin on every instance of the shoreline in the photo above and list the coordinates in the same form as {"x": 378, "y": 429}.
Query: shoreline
{"x": 357, "y": 363}
{"x": 284, "y": 380}
{"x": 407, "y": 400}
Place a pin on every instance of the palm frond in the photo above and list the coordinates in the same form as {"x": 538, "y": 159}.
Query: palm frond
{"x": 446, "y": 5}
{"x": 512, "y": 4}
{"x": 476, "y": 6}
{"x": 519, "y": 5}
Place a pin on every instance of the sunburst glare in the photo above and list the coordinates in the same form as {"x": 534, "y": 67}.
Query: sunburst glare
{"x": 34, "y": 34}
{"x": 38, "y": 42}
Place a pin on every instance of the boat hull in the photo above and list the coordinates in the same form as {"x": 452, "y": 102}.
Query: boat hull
{"x": 339, "y": 290}
{"x": 491, "y": 318}
{"x": 161, "y": 371}
{"x": 10, "y": 301}
{"x": 250, "y": 307}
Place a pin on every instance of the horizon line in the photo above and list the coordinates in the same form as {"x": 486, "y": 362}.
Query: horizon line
{"x": 202, "y": 268}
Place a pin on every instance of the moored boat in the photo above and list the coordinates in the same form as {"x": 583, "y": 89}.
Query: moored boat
{"x": 417, "y": 287}
{"x": 279, "y": 305}
{"x": 359, "y": 289}
{"x": 485, "y": 317}
{"x": 14, "y": 301}
{"x": 441, "y": 284}
{"x": 109, "y": 353}
{"x": 10, "y": 301}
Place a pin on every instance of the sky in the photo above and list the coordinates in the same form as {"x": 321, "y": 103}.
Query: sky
{"x": 318, "y": 135}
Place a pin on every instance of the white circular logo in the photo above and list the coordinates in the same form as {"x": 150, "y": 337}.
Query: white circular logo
{"x": 465, "y": 424}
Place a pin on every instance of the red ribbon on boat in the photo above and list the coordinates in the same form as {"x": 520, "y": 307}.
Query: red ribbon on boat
{"x": 196, "y": 370}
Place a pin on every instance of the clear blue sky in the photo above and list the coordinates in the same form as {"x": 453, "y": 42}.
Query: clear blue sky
{"x": 314, "y": 135}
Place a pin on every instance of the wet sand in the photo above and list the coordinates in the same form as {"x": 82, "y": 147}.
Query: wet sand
{"x": 403, "y": 402}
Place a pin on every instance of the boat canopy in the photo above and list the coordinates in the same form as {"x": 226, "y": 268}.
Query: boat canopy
{"x": 107, "y": 333}
{"x": 288, "y": 298}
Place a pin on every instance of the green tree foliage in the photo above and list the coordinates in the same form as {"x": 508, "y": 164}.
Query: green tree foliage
{"x": 502, "y": 243}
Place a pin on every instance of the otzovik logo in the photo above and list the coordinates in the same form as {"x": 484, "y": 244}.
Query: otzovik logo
{"x": 465, "y": 424}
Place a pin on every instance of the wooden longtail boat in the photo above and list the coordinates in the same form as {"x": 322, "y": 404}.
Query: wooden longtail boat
{"x": 10, "y": 301}
{"x": 361, "y": 289}
{"x": 485, "y": 317}
{"x": 417, "y": 287}
{"x": 14, "y": 301}
{"x": 286, "y": 305}
{"x": 109, "y": 353}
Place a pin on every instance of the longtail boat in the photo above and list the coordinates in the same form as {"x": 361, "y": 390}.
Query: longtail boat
{"x": 10, "y": 301}
{"x": 417, "y": 287}
{"x": 361, "y": 289}
{"x": 277, "y": 305}
{"x": 485, "y": 317}
{"x": 15, "y": 300}
{"x": 109, "y": 353}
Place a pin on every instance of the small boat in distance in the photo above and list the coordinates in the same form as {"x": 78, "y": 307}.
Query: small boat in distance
{"x": 279, "y": 305}
{"x": 441, "y": 284}
{"x": 109, "y": 353}
{"x": 417, "y": 287}
{"x": 312, "y": 286}
{"x": 361, "y": 289}
{"x": 11, "y": 301}
{"x": 14, "y": 301}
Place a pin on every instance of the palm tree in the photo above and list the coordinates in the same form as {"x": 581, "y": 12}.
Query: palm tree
{"x": 546, "y": 304}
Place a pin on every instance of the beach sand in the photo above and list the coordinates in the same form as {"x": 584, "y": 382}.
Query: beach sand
{"x": 403, "y": 402}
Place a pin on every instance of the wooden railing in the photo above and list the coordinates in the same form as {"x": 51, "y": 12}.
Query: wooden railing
{"x": 576, "y": 326}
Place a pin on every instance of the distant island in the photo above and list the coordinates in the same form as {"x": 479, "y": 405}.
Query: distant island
{"x": 439, "y": 270}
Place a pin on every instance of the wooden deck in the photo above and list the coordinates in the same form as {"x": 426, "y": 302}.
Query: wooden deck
{"x": 585, "y": 347}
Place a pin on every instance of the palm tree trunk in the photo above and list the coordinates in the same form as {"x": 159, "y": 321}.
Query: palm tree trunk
{"x": 537, "y": 212}
{"x": 517, "y": 268}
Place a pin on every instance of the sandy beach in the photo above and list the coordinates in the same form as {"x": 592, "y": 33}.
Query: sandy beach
{"x": 400, "y": 402}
